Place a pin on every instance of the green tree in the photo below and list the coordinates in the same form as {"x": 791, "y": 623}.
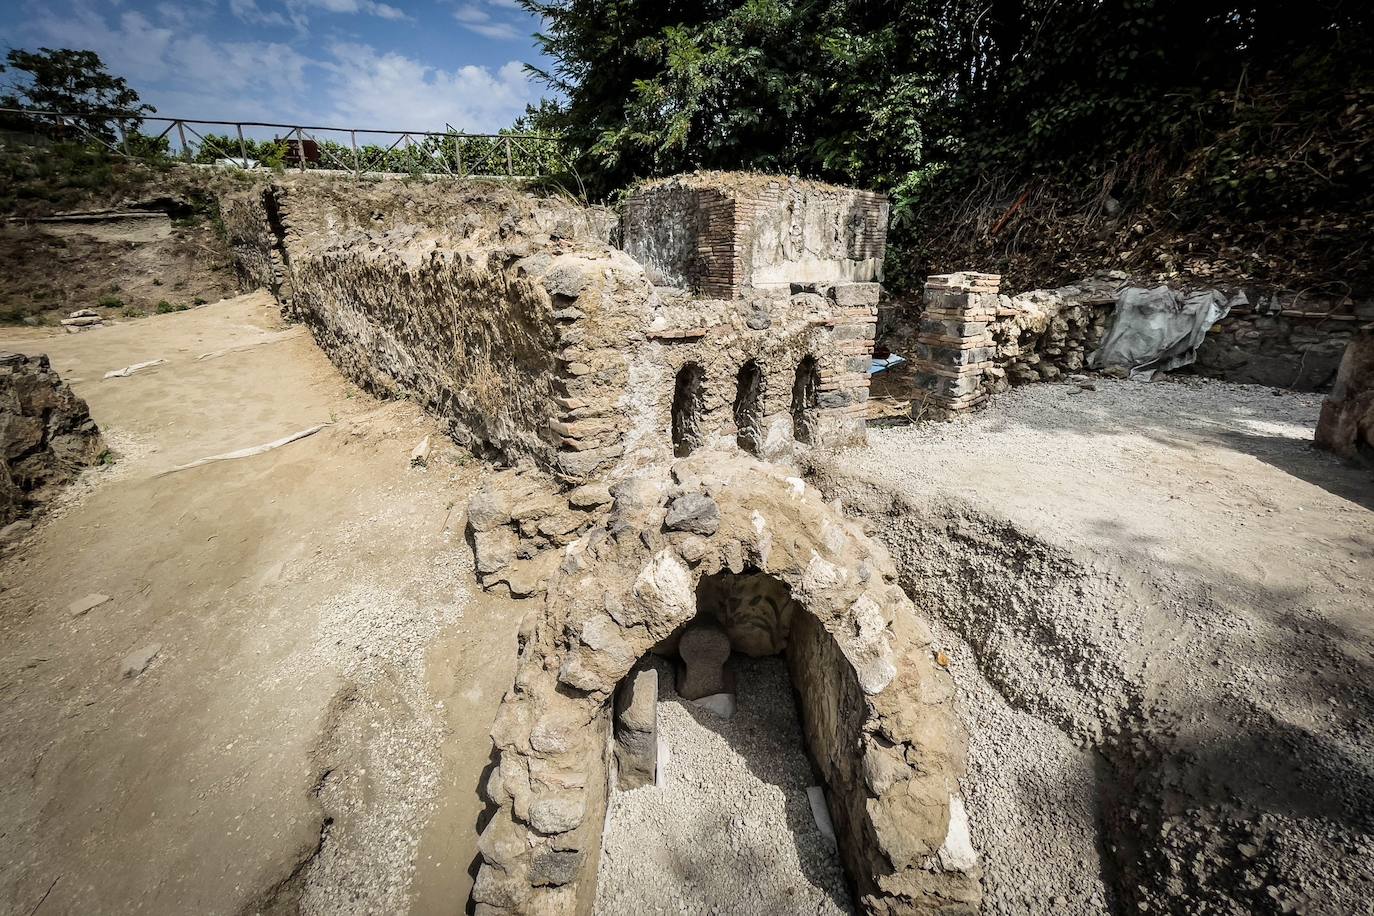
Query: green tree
{"x": 956, "y": 105}
{"x": 73, "y": 83}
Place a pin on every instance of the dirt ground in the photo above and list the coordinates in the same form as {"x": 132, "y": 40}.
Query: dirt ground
{"x": 312, "y": 725}
{"x": 1158, "y": 602}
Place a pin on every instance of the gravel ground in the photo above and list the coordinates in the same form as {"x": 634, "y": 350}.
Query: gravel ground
{"x": 730, "y": 831}
{"x": 1155, "y": 598}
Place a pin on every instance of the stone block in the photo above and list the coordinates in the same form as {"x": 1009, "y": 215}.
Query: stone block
{"x": 636, "y": 728}
{"x": 849, "y": 295}
{"x": 693, "y": 512}
{"x": 952, "y": 327}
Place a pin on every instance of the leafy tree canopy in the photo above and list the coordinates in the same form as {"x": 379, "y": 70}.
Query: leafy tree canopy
{"x": 73, "y": 83}
{"x": 930, "y": 99}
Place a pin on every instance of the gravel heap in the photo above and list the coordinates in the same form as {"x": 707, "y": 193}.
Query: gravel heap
{"x": 730, "y": 829}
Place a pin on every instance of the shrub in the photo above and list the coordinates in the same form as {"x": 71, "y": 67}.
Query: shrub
{"x": 110, "y": 302}
{"x": 164, "y": 307}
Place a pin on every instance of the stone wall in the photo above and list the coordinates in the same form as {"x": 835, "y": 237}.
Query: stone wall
{"x": 963, "y": 349}
{"x": 509, "y": 316}
{"x": 878, "y": 708}
{"x": 1346, "y": 425}
{"x": 503, "y": 313}
{"x": 777, "y": 332}
{"x": 719, "y": 234}
{"x": 46, "y": 433}
{"x": 1295, "y": 349}
{"x": 257, "y": 240}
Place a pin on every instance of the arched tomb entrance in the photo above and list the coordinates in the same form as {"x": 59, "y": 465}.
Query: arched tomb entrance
{"x": 876, "y": 709}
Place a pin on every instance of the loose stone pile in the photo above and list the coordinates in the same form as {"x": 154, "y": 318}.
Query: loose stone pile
{"x": 46, "y": 433}
{"x": 82, "y": 320}
{"x": 729, "y": 829}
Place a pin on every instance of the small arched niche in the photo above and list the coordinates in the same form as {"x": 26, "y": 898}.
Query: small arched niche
{"x": 806, "y": 386}
{"x": 748, "y": 407}
{"x": 688, "y": 405}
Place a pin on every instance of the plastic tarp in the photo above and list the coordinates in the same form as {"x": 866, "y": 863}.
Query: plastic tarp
{"x": 1155, "y": 330}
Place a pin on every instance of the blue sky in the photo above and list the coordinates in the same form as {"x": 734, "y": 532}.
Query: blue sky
{"x": 350, "y": 63}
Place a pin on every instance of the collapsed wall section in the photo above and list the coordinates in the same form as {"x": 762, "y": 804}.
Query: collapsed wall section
{"x": 721, "y": 234}
{"x": 46, "y": 433}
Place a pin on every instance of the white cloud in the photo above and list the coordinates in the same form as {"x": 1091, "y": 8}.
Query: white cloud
{"x": 476, "y": 18}
{"x": 370, "y": 7}
{"x": 251, "y": 13}
{"x": 471, "y": 12}
{"x": 186, "y": 71}
{"x": 391, "y": 90}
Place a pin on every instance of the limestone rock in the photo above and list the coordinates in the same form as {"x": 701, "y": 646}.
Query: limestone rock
{"x": 589, "y": 496}
{"x": 82, "y": 606}
{"x": 46, "y": 433}
{"x": 135, "y": 663}
{"x": 487, "y": 509}
{"x": 494, "y": 549}
{"x": 693, "y": 512}
{"x": 557, "y": 812}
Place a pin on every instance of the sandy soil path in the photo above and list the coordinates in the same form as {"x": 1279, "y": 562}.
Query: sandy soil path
{"x": 311, "y": 725}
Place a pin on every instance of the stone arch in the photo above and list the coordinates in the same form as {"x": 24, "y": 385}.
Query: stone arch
{"x": 748, "y": 407}
{"x": 689, "y": 405}
{"x": 885, "y": 736}
{"x": 806, "y": 386}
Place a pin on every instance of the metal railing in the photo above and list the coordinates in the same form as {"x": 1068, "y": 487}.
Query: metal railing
{"x": 360, "y": 151}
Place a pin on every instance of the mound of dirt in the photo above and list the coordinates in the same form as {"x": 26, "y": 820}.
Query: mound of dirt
{"x": 1154, "y": 599}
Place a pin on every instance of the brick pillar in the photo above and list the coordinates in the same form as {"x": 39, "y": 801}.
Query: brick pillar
{"x": 954, "y": 343}
{"x": 843, "y": 395}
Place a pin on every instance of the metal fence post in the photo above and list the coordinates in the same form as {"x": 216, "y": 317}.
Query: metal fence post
{"x": 357, "y": 164}
{"x": 300, "y": 147}
{"x": 243, "y": 147}
{"x": 181, "y": 134}
{"x": 510, "y": 168}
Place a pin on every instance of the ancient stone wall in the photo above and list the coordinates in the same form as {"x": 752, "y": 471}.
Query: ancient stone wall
{"x": 257, "y": 239}
{"x": 503, "y": 313}
{"x": 1299, "y": 349}
{"x": 509, "y": 316}
{"x": 719, "y": 234}
{"x": 1346, "y": 425}
{"x": 878, "y": 709}
{"x": 777, "y": 332}
{"x": 46, "y": 433}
